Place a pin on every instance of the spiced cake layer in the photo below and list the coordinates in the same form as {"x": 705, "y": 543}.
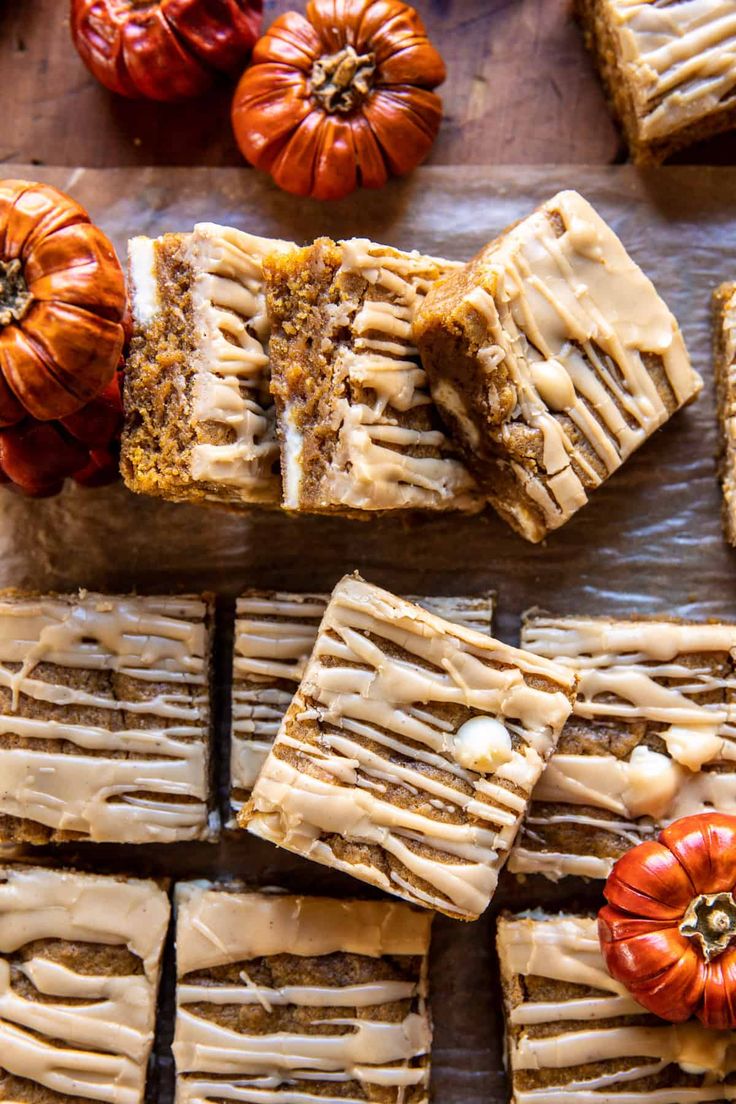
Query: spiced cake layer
{"x": 199, "y": 419}
{"x": 652, "y": 738}
{"x": 283, "y": 998}
{"x": 409, "y": 751}
{"x": 357, "y": 427}
{"x": 724, "y": 347}
{"x": 551, "y": 357}
{"x": 104, "y": 718}
{"x": 274, "y": 636}
{"x": 668, "y": 66}
{"x": 575, "y": 1036}
{"x": 80, "y": 958}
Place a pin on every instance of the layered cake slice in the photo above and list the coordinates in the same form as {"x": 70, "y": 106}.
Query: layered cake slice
{"x": 357, "y": 426}
{"x": 80, "y": 959}
{"x": 104, "y": 718}
{"x": 200, "y": 423}
{"x": 283, "y": 998}
{"x": 724, "y": 345}
{"x": 409, "y": 751}
{"x": 575, "y": 1036}
{"x": 274, "y": 636}
{"x": 668, "y": 66}
{"x": 551, "y": 357}
{"x": 652, "y": 738}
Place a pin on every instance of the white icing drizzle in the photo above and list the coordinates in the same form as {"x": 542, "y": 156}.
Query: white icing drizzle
{"x": 373, "y": 714}
{"x": 106, "y": 1039}
{"x": 565, "y": 949}
{"x": 637, "y": 672}
{"x": 215, "y": 927}
{"x": 374, "y": 466}
{"x": 570, "y": 317}
{"x": 274, "y": 636}
{"x": 679, "y": 59}
{"x": 157, "y": 716}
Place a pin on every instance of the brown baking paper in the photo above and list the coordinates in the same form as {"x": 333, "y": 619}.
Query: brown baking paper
{"x": 650, "y": 541}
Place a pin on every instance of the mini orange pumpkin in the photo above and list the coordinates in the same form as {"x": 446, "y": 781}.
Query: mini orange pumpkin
{"x": 668, "y": 930}
{"x": 341, "y": 98}
{"x": 62, "y": 304}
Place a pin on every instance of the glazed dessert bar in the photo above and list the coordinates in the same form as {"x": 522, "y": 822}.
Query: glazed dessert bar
{"x": 724, "y": 304}
{"x": 199, "y": 417}
{"x": 669, "y": 68}
{"x": 80, "y": 958}
{"x": 104, "y": 718}
{"x": 575, "y": 1036}
{"x": 274, "y": 636}
{"x": 357, "y": 427}
{"x": 552, "y": 358}
{"x": 652, "y": 738}
{"x": 410, "y": 750}
{"x": 300, "y": 999}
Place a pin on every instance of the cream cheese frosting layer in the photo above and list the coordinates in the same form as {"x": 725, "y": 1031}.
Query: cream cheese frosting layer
{"x": 652, "y": 738}
{"x": 72, "y": 1021}
{"x": 274, "y": 636}
{"x": 679, "y": 59}
{"x": 409, "y": 751}
{"x": 104, "y": 717}
{"x": 593, "y": 1044}
{"x": 269, "y": 983}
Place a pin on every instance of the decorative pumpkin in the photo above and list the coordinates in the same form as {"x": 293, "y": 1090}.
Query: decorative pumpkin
{"x": 668, "y": 930}
{"x": 36, "y": 457}
{"x": 62, "y": 304}
{"x": 340, "y": 98}
{"x": 163, "y": 49}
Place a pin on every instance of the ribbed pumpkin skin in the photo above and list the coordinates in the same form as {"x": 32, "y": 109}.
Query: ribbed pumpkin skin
{"x": 164, "y": 50}
{"x": 283, "y": 125}
{"x": 62, "y": 346}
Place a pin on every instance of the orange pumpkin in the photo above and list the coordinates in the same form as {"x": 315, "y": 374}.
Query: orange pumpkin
{"x": 340, "y": 98}
{"x": 62, "y": 304}
{"x": 669, "y": 928}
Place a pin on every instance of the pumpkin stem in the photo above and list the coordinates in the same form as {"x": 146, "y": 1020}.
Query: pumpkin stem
{"x": 711, "y": 920}
{"x": 15, "y": 298}
{"x": 340, "y": 82}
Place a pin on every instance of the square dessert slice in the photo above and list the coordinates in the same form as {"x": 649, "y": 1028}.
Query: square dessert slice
{"x": 410, "y": 750}
{"x": 551, "y": 357}
{"x": 724, "y": 345}
{"x": 652, "y": 738}
{"x": 357, "y": 426}
{"x": 199, "y": 421}
{"x": 80, "y": 960}
{"x": 669, "y": 69}
{"x": 274, "y": 636}
{"x": 574, "y": 1035}
{"x": 104, "y": 718}
{"x": 300, "y": 998}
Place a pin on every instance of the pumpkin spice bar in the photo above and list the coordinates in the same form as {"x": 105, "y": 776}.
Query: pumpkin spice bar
{"x": 80, "y": 960}
{"x": 274, "y": 636}
{"x": 575, "y": 1035}
{"x": 669, "y": 69}
{"x": 552, "y": 358}
{"x": 410, "y": 750}
{"x": 199, "y": 417}
{"x": 104, "y": 718}
{"x": 357, "y": 427}
{"x": 300, "y": 998}
{"x": 724, "y": 346}
{"x": 652, "y": 738}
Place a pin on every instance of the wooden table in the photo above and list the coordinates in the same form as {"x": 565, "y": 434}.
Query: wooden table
{"x": 520, "y": 90}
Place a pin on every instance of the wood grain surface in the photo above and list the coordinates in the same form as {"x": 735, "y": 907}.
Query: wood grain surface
{"x": 520, "y": 90}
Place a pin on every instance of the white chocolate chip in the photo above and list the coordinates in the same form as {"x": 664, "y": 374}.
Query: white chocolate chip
{"x": 554, "y": 385}
{"x": 482, "y": 744}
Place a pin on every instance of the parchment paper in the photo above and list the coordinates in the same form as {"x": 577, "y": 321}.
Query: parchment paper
{"x": 650, "y": 541}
